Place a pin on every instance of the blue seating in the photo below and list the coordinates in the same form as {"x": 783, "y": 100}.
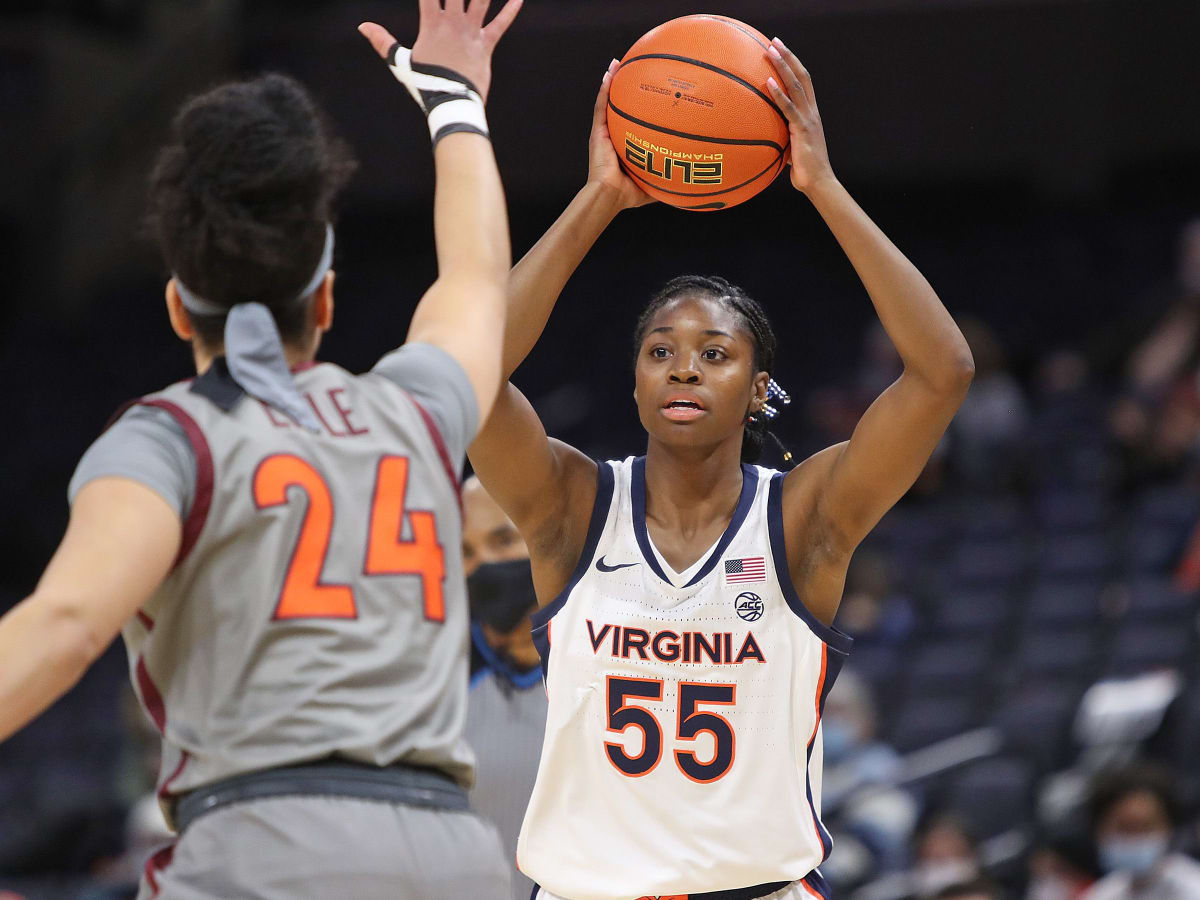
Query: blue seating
{"x": 1036, "y": 719}
{"x": 1064, "y": 600}
{"x": 981, "y": 610}
{"x": 1143, "y": 647}
{"x": 1173, "y": 505}
{"x": 991, "y": 561}
{"x": 1057, "y": 651}
{"x": 995, "y": 794}
{"x": 1183, "y": 745}
{"x": 1073, "y": 509}
{"x": 1076, "y": 555}
{"x": 1153, "y": 547}
{"x": 991, "y": 517}
{"x": 961, "y": 662}
{"x": 927, "y": 718}
{"x": 1155, "y": 597}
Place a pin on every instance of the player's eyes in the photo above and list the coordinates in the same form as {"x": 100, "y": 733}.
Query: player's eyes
{"x": 660, "y": 352}
{"x": 713, "y": 353}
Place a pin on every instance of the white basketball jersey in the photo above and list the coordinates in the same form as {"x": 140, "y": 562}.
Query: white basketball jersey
{"x": 682, "y": 752}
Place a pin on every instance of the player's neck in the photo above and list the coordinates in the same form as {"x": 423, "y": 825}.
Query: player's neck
{"x": 687, "y": 487}
{"x": 295, "y": 356}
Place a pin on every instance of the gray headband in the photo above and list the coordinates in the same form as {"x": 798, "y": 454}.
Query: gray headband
{"x": 253, "y": 348}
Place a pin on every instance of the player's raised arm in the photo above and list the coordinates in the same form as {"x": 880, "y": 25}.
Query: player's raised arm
{"x": 448, "y": 72}
{"x": 119, "y": 545}
{"x": 834, "y": 499}
{"x": 549, "y": 496}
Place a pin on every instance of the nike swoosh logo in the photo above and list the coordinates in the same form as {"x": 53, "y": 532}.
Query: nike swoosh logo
{"x": 603, "y": 568}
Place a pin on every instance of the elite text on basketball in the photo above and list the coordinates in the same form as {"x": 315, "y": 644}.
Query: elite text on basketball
{"x": 665, "y": 163}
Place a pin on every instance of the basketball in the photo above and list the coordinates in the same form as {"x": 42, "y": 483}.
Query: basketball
{"x": 691, "y": 117}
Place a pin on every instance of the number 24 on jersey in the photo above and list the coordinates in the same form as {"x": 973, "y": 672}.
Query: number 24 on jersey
{"x": 304, "y": 595}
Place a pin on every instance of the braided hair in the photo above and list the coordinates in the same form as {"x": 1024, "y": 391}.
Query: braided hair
{"x": 240, "y": 197}
{"x": 754, "y": 320}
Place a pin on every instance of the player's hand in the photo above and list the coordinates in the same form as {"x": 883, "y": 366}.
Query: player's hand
{"x": 454, "y": 37}
{"x": 793, "y": 92}
{"x": 604, "y": 168}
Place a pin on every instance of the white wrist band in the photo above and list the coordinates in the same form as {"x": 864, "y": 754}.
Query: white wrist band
{"x": 450, "y": 102}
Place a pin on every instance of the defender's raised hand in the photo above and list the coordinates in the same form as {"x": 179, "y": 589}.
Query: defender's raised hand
{"x": 793, "y": 91}
{"x": 454, "y": 38}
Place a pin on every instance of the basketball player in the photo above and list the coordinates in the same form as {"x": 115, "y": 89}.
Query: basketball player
{"x": 282, "y": 548}
{"x": 687, "y": 596}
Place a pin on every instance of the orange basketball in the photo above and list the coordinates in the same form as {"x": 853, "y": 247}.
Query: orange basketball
{"x": 691, "y": 116}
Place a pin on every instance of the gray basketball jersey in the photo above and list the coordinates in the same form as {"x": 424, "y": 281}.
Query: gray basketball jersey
{"x": 317, "y": 606}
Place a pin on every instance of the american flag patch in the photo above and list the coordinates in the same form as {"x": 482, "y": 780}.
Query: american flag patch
{"x": 749, "y": 568}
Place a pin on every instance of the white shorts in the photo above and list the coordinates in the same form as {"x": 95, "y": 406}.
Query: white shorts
{"x": 797, "y": 890}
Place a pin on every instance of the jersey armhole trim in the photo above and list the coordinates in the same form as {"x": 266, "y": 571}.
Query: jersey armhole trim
{"x": 202, "y": 500}
{"x": 137, "y": 401}
{"x": 151, "y": 698}
{"x": 440, "y": 445}
{"x": 540, "y": 619}
{"x": 837, "y": 640}
{"x": 816, "y": 885}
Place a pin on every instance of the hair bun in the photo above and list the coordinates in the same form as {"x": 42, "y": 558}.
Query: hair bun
{"x": 240, "y": 197}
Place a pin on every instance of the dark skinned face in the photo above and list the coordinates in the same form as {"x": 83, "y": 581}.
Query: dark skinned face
{"x": 695, "y": 380}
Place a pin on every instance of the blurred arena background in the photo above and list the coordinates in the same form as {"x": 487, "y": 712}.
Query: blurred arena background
{"x": 1025, "y": 619}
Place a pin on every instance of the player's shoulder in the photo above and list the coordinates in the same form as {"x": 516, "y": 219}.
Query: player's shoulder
{"x": 764, "y": 473}
{"x": 614, "y": 478}
{"x": 153, "y": 407}
{"x": 170, "y": 391}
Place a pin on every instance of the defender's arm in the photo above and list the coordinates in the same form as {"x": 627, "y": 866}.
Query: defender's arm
{"x": 120, "y": 544}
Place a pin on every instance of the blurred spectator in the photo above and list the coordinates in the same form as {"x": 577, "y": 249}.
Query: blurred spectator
{"x": 1156, "y": 420}
{"x": 833, "y": 411}
{"x": 989, "y": 428}
{"x": 1187, "y": 569}
{"x": 1134, "y": 814}
{"x": 872, "y": 820}
{"x": 506, "y": 712}
{"x": 945, "y": 853}
{"x": 979, "y": 889}
{"x": 1060, "y": 373}
{"x": 1059, "y": 869}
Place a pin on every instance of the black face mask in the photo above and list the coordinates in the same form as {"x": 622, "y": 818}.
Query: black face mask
{"x": 501, "y": 594}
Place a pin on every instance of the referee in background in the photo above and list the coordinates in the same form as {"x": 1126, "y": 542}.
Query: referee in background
{"x": 506, "y": 708}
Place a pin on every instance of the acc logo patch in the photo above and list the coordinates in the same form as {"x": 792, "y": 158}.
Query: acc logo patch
{"x": 749, "y": 606}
